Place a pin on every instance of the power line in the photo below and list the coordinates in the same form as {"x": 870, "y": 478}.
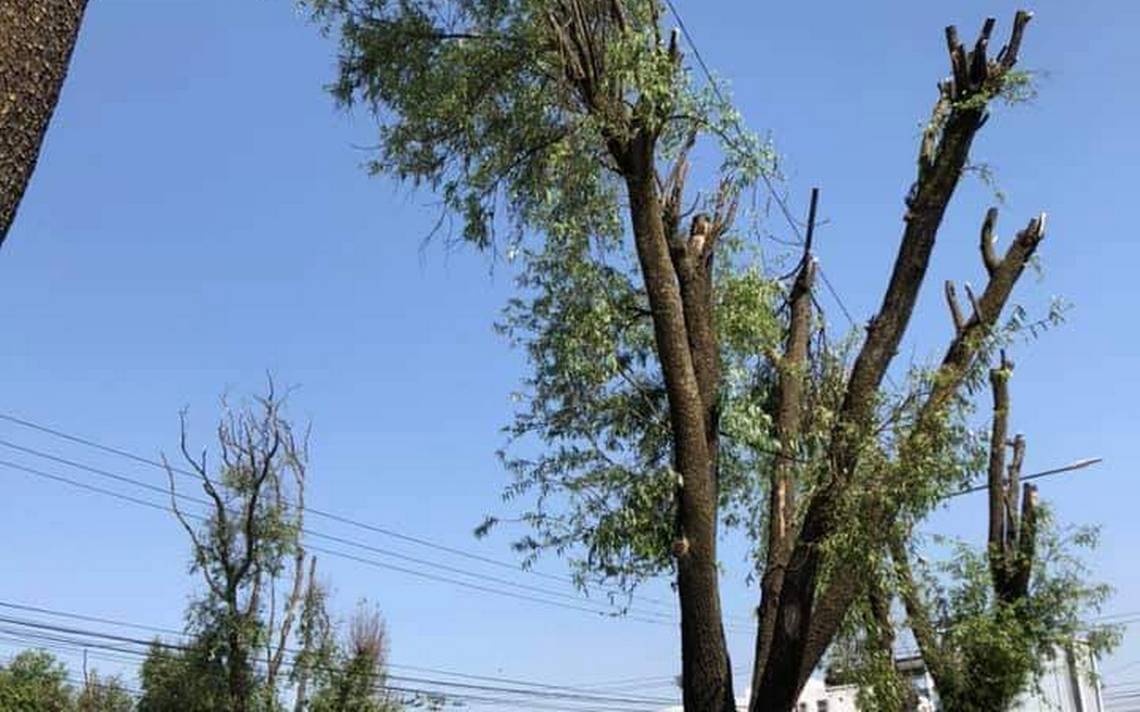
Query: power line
{"x": 39, "y": 610}
{"x": 71, "y": 437}
{"x": 323, "y": 514}
{"x": 610, "y": 608}
{"x": 88, "y": 638}
{"x": 305, "y": 530}
{"x": 780, "y": 202}
{"x": 640, "y": 617}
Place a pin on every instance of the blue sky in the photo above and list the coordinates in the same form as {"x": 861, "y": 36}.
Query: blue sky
{"x": 199, "y": 215}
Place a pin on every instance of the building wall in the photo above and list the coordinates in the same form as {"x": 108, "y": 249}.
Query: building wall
{"x": 1069, "y": 685}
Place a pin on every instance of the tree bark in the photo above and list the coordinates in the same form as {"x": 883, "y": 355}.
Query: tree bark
{"x": 706, "y": 673}
{"x": 780, "y": 500}
{"x": 36, "y": 41}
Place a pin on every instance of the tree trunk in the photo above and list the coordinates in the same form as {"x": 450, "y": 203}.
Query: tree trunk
{"x": 36, "y": 40}
{"x": 238, "y": 672}
{"x": 706, "y": 673}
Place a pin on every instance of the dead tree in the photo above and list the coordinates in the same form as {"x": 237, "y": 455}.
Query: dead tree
{"x": 36, "y": 41}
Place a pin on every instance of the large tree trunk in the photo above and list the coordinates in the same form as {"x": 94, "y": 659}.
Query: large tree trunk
{"x": 706, "y": 673}
{"x": 36, "y": 40}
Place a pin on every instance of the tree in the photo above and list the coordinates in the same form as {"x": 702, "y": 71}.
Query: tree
{"x": 39, "y": 36}
{"x": 249, "y": 542}
{"x": 190, "y": 678}
{"x": 355, "y": 679}
{"x": 666, "y": 397}
{"x": 103, "y": 694}
{"x": 34, "y": 680}
{"x": 38, "y": 682}
{"x": 249, "y": 643}
{"x": 985, "y": 624}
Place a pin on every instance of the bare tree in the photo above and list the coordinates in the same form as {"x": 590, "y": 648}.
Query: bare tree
{"x": 250, "y": 539}
{"x": 38, "y": 38}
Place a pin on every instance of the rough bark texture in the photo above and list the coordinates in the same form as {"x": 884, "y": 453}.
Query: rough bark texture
{"x": 806, "y": 620}
{"x": 36, "y": 41}
{"x": 678, "y": 285}
{"x": 1012, "y": 534}
{"x": 706, "y": 673}
{"x": 789, "y": 408}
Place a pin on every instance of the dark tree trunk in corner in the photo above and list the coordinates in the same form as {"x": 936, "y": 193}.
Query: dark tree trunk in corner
{"x": 36, "y": 40}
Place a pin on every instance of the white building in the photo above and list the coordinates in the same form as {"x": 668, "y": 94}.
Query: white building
{"x": 1069, "y": 684}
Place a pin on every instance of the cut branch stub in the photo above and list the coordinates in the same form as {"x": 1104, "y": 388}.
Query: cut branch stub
{"x": 989, "y": 256}
{"x": 955, "y": 310}
{"x": 1027, "y": 542}
{"x": 1008, "y": 54}
{"x": 973, "y": 73}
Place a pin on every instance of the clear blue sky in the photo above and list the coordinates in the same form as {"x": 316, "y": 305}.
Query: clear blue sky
{"x": 199, "y": 215}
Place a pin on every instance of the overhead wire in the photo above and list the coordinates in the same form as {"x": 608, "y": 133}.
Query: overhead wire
{"x": 92, "y": 638}
{"x": 779, "y": 200}
{"x": 640, "y": 617}
{"x": 609, "y": 608}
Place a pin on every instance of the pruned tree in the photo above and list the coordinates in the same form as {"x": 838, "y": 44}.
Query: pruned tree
{"x": 668, "y": 397}
{"x": 248, "y": 543}
{"x": 39, "y": 36}
{"x": 984, "y": 623}
{"x": 807, "y": 606}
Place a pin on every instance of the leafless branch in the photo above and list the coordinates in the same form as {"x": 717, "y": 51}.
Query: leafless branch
{"x": 955, "y": 310}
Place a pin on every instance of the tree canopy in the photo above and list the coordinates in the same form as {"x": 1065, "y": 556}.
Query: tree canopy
{"x": 668, "y": 398}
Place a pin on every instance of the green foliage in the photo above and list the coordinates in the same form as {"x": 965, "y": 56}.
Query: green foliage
{"x": 473, "y": 102}
{"x": 591, "y": 444}
{"x": 1000, "y": 649}
{"x": 353, "y": 677}
{"x": 103, "y": 694}
{"x": 36, "y": 682}
{"x": 191, "y": 679}
{"x": 991, "y": 652}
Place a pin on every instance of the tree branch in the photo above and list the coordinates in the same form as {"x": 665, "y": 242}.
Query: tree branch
{"x": 958, "y": 114}
{"x": 999, "y": 535}
{"x": 955, "y": 310}
{"x": 989, "y": 256}
{"x": 918, "y": 614}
